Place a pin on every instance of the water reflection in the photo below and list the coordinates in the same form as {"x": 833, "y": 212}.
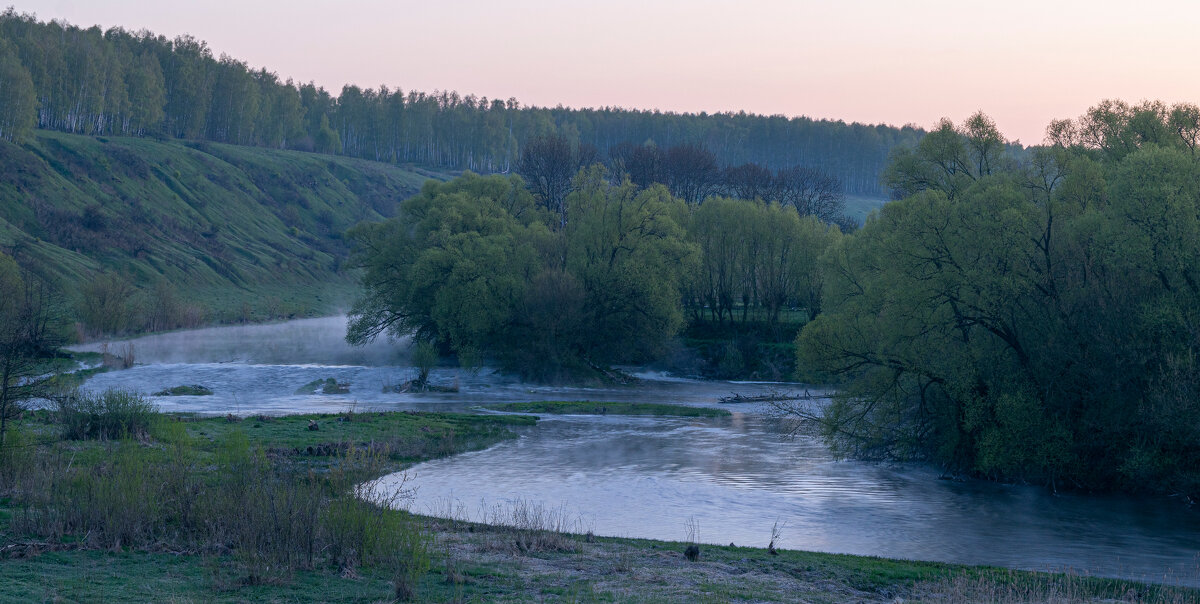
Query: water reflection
{"x": 736, "y": 477}
{"x": 649, "y": 477}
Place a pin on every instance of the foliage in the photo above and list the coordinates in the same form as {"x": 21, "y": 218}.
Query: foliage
{"x": 148, "y": 235}
{"x": 756, "y": 255}
{"x": 1025, "y": 318}
{"x": 123, "y": 83}
{"x": 236, "y": 498}
{"x": 424, "y": 358}
{"x": 18, "y": 102}
{"x": 474, "y": 265}
{"x": 109, "y": 415}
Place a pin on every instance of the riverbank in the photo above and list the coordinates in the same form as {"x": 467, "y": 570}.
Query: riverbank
{"x": 475, "y": 563}
{"x": 152, "y": 502}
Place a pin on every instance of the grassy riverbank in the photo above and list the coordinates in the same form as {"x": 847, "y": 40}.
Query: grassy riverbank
{"x": 189, "y": 509}
{"x": 607, "y": 408}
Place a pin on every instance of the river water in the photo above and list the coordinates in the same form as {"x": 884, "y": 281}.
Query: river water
{"x": 718, "y": 480}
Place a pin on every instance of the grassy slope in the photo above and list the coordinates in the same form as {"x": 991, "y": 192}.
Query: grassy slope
{"x": 222, "y": 223}
{"x": 859, "y": 207}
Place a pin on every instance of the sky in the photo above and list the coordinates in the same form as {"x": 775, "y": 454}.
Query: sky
{"x": 874, "y": 61}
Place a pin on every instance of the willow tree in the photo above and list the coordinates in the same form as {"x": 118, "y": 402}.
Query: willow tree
{"x": 478, "y": 265}
{"x": 1031, "y": 320}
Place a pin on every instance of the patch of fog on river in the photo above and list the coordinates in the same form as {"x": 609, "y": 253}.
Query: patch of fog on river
{"x": 729, "y": 478}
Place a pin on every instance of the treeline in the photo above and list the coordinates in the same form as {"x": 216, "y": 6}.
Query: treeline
{"x": 1033, "y": 318}
{"x": 483, "y": 268}
{"x": 690, "y": 172}
{"x": 117, "y": 82}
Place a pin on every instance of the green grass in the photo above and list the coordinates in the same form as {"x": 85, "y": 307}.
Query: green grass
{"x": 246, "y": 233}
{"x": 859, "y": 207}
{"x": 235, "y": 500}
{"x": 468, "y": 562}
{"x": 609, "y": 570}
{"x": 607, "y": 408}
{"x": 409, "y": 436}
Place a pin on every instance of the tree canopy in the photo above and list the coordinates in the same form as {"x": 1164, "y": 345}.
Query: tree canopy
{"x": 135, "y": 83}
{"x": 475, "y": 265}
{"x": 481, "y": 266}
{"x": 1026, "y": 317}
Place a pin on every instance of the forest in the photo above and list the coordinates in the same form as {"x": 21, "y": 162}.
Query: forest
{"x": 121, "y": 83}
{"x": 1026, "y": 317}
{"x": 1032, "y": 320}
{"x": 484, "y": 268}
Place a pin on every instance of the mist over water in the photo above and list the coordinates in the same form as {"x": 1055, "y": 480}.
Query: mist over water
{"x": 320, "y": 341}
{"x": 732, "y": 478}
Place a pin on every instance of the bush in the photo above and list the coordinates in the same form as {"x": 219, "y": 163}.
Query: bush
{"x": 111, "y": 415}
{"x": 271, "y": 518}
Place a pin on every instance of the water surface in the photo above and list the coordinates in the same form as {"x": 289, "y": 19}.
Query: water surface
{"x": 725, "y": 479}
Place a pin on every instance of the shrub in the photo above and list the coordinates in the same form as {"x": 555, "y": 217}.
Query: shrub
{"x": 111, "y": 415}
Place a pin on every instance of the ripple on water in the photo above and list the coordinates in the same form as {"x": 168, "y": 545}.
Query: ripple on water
{"x": 733, "y": 478}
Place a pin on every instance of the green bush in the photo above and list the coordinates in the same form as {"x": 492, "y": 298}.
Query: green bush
{"x": 111, "y": 415}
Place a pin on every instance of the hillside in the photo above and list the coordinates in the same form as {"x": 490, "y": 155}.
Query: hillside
{"x": 243, "y": 232}
{"x": 119, "y": 82}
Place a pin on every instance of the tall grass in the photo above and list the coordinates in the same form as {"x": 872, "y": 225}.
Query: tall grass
{"x": 272, "y": 516}
{"x": 111, "y": 415}
{"x": 529, "y": 526}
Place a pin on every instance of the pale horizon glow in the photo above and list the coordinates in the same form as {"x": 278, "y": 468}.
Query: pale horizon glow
{"x": 871, "y": 61}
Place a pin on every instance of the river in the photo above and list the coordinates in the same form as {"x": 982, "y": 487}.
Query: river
{"x": 720, "y": 480}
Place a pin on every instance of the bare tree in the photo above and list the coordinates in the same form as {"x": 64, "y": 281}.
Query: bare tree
{"x": 28, "y": 338}
{"x": 812, "y": 192}
{"x": 749, "y": 181}
{"x": 644, "y": 164}
{"x": 691, "y": 172}
{"x": 548, "y": 164}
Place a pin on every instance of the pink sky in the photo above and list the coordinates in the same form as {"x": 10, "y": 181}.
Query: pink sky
{"x": 1022, "y": 62}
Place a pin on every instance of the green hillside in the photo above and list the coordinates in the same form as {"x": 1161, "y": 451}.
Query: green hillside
{"x": 236, "y": 231}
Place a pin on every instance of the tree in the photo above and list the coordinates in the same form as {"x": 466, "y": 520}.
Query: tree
{"x": 626, "y": 249}
{"x": 450, "y": 267}
{"x": 29, "y": 334}
{"x": 18, "y": 102}
{"x": 691, "y": 172}
{"x": 644, "y": 164}
{"x": 750, "y": 181}
{"x": 1032, "y": 322}
{"x": 474, "y": 265}
{"x": 108, "y": 82}
{"x": 722, "y": 229}
{"x": 147, "y": 95}
{"x": 548, "y": 164}
{"x": 810, "y": 192}
{"x": 788, "y": 271}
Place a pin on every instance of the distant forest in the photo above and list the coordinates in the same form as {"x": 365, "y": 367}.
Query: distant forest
{"x": 121, "y": 83}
